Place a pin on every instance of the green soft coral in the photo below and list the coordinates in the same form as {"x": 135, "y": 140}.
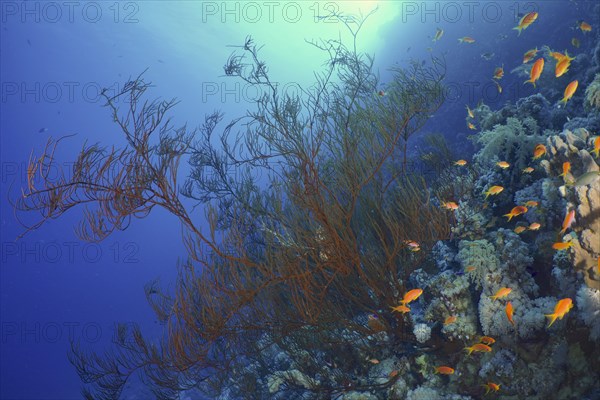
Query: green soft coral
{"x": 592, "y": 93}
{"x": 513, "y": 142}
{"x": 480, "y": 254}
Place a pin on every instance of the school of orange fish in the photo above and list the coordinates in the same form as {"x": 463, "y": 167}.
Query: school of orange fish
{"x": 563, "y": 306}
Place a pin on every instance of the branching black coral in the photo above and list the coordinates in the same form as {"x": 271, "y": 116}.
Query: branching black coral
{"x": 309, "y": 203}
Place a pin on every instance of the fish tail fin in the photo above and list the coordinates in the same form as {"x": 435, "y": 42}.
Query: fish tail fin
{"x": 509, "y": 216}
{"x": 493, "y": 297}
{"x": 518, "y": 28}
{"x": 596, "y": 152}
{"x": 552, "y": 318}
{"x": 469, "y": 349}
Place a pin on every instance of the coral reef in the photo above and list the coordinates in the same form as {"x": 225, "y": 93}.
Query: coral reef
{"x": 535, "y": 106}
{"x": 358, "y": 396}
{"x": 588, "y": 303}
{"x": 528, "y": 317}
{"x": 443, "y": 255}
{"x": 573, "y": 147}
{"x": 319, "y": 305}
{"x": 592, "y": 93}
{"x": 422, "y": 332}
{"x": 423, "y": 393}
{"x": 471, "y": 223}
{"x": 502, "y": 364}
{"x": 292, "y": 376}
{"x": 451, "y": 297}
{"x": 513, "y": 141}
{"x": 539, "y": 376}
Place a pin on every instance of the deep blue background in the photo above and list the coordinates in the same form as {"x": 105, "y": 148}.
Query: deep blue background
{"x": 52, "y": 67}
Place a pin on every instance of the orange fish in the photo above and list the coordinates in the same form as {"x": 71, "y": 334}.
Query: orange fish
{"x": 568, "y": 221}
{"x": 531, "y": 203}
{"x": 487, "y": 340}
{"x": 479, "y": 347}
{"x": 498, "y": 87}
{"x": 401, "y": 309}
{"x": 412, "y": 245}
{"x": 534, "y": 226}
{"x": 527, "y": 20}
{"x": 494, "y": 190}
{"x": 566, "y": 167}
{"x": 470, "y": 268}
{"x": 499, "y": 72}
{"x": 374, "y": 361}
{"x": 562, "y": 245}
{"x": 519, "y": 229}
{"x": 470, "y": 112}
{"x": 562, "y": 67}
{"x": 503, "y": 164}
{"x": 509, "y": 312}
{"x": 566, "y": 56}
{"x": 471, "y": 126}
{"x": 558, "y": 56}
{"x": 569, "y": 91}
{"x": 444, "y": 370}
{"x": 460, "y": 163}
{"x": 466, "y": 39}
{"x": 450, "y": 320}
{"x": 518, "y": 210}
{"x": 562, "y": 307}
{"x": 528, "y": 170}
{"x": 450, "y": 205}
{"x": 529, "y": 55}
{"x": 411, "y": 296}
{"x": 491, "y": 386}
{"x": 536, "y": 71}
{"x": 394, "y": 373}
{"x": 502, "y": 292}
{"x": 596, "y": 150}
{"x": 539, "y": 151}
{"x": 585, "y": 27}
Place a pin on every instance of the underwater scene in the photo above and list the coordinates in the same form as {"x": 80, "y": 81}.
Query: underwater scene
{"x": 349, "y": 200}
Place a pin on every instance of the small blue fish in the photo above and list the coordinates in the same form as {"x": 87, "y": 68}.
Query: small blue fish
{"x": 43, "y": 130}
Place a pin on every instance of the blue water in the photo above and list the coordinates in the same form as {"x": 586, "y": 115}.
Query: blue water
{"x": 54, "y": 61}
